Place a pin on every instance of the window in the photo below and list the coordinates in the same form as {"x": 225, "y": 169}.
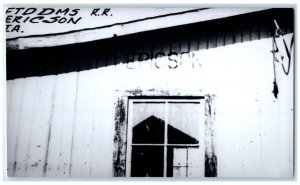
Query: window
{"x": 165, "y": 138}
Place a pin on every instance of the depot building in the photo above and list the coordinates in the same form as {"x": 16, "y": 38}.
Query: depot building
{"x": 207, "y": 92}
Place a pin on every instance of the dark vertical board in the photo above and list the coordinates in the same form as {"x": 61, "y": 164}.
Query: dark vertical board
{"x": 263, "y": 31}
{"x": 238, "y": 35}
{"x": 212, "y": 39}
{"x": 246, "y": 34}
{"x": 175, "y": 45}
{"x": 264, "y": 24}
{"x": 254, "y": 33}
{"x": 101, "y": 60}
{"x": 119, "y": 58}
{"x": 194, "y": 43}
{"x": 229, "y": 37}
{"x": 111, "y": 53}
{"x": 110, "y": 60}
{"x": 143, "y": 48}
{"x": 92, "y": 63}
{"x": 220, "y": 36}
{"x": 185, "y": 46}
{"x": 203, "y": 40}
{"x": 102, "y": 51}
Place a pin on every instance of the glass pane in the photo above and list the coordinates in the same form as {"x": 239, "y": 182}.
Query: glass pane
{"x": 148, "y": 123}
{"x": 147, "y": 161}
{"x": 183, "y": 125}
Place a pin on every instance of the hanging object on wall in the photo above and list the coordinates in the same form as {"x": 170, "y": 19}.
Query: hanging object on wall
{"x": 274, "y": 51}
{"x": 275, "y": 89}
{"x": 283, "y": 57}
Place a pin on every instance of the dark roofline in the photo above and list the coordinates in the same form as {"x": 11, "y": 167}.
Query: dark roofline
{"x": 113, "y": 51}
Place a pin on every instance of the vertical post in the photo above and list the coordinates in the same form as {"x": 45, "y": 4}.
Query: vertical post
{"x": 119, "y": 155}
{"x": 210, "y": 157}
{"x": 165, "y": 139}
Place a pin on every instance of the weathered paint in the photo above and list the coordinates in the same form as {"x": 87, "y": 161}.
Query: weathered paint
{"x": 61, "y": 121}
{"x": 251, "y": 128}
{"x": 119, "y": 162}
{"x": 210, "y": 156}
{"x": 245, "y": 133}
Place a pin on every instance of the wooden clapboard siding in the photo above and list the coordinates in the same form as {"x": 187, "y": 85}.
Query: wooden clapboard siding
{"x": 57, "y": 126}
{"x": 29, "y": 101}
{"x": 39, "y": 130}
{"x": 15, "y": 103}
{"x": 71, "y": 116}
{"x": 59, "y": 145}
{"x": 66, "y": 121}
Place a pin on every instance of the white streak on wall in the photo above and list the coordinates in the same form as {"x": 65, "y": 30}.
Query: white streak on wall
{"x": 83, "y": 125}
{"x": 24, "y": 126}
{"x": 38, "y": 138}
{"x": 61, "y": 126}
{"x": 13, "y": 110}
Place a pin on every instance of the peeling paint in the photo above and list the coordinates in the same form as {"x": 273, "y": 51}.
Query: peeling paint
{"x": 210, "y": 157}
{"x": 210, "y": 166}
{"x": 35, "y": 164}
{"x": 119, "y": 154}
{"x": 135, "y": 92}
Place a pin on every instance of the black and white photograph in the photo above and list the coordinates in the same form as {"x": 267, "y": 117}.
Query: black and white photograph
{"x": 199, "y": 92}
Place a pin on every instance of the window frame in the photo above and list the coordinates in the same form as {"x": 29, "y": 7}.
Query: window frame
{"x": 166, "y": 101}
{"x": 121, "y": 129}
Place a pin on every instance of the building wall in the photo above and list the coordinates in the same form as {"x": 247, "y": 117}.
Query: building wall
{"x": 63, "y": 125}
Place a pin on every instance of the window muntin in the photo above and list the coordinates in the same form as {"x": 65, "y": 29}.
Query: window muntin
{"x": 165, "y": 138}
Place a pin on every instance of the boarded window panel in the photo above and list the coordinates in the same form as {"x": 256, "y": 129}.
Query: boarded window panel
{"x": 179, "y": 171}
{"x": 185, "y": 162}
{"x": 147, "y": 161}
{"x": 180, "y": 161}
{"x": 195, "y": 162}
{"x": 180, "y": 157}
{"x": 183, "y": 120}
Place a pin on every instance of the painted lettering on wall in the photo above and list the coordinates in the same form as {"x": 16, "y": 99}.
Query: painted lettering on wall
{"x": 163, "y": 60}
{"x": 16, "y": 17}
